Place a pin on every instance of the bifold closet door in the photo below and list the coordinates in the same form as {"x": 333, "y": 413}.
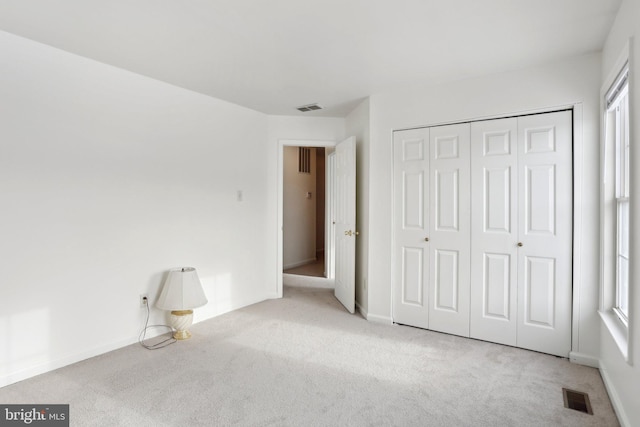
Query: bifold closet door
{"x": 431, "y": 228}
{"x": 483, "y": 230}
{"x": 449, "y": 229}
{"x": 410, "y": 227}
{"x": 521, "y": 245}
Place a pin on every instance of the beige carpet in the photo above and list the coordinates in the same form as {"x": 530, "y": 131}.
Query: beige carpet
{"x": 304, "y": 361}
{"x": 315, "y": 268}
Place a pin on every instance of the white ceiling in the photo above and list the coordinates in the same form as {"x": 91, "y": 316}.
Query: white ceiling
{"x": 274, "y": 55}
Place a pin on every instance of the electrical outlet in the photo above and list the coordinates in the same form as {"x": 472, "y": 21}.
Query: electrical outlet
{"x": 144, "y": 300}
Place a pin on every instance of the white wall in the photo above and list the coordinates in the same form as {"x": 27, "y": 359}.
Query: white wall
{"x": 573, "y": 81}
{"x": 622, "y": 378}
{"x": 107, "y": 180}
{"x": 357, "y": 124}
{"x": 290, "y": 128}
{"x": 299, "y": 212}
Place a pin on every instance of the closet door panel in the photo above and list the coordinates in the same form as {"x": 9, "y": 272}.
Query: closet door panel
{"x": 494, "y": 230}
{"x": 546, "y": 215}
{"x": 446, "y": 280}
{"x": 496, "y": 284}
{"x": 411, "y": 222}
{"x": 449, "y": 229}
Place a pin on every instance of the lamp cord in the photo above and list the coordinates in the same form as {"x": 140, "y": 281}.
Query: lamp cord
{"x": 143, "y": 334}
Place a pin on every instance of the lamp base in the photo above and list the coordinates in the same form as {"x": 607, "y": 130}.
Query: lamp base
{"x": 182, "y": 335}
{"x": 181, "y": 320}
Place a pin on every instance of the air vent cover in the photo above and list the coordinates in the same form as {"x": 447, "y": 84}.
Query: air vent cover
{"x": 577, "y": 400}
{"x": 304, "y": 160}
{"x": 310, "y": 107}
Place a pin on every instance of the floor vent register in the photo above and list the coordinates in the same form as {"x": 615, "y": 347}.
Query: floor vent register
{"x": 577, "y": 400}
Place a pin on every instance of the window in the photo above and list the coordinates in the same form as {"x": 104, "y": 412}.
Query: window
{"x": 304, "y": 160}
{"x": 616, "y": 217}
{"x": 618, "y": 129}
{"x": 617, "y": 123}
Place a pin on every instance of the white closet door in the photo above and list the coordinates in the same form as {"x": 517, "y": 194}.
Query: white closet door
{"x": 411, "y": 221}
{"x": 449, "y": 229}
{"x": 494, "y": 225}
{"x": 545, "y": 232}
{"x": 483, "y": 230}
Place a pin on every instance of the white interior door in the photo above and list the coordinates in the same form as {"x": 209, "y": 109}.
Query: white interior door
{"x": 449, "y": 225}
{"x": 411, "y": 227}
{"x": 494, "y": 235}
{"x": 545, "y": 232}
{"x": 345, "y": 219}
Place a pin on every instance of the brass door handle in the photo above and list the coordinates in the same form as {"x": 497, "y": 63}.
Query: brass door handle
{"x": 520, "y": 244}
{"x": 351, "y": 233}
{"x": 426, "y": 239}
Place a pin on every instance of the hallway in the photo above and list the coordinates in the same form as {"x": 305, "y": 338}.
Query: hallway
{"x": 315, "y": 268}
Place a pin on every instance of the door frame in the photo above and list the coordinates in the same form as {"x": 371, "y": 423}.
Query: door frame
{"x": 294, "y": 143}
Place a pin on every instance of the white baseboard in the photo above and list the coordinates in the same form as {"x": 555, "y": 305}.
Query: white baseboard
{"x": 298, "y": 263}
{"x": 584, "y": 359}
{"x": 615, "y": 399}
{"x": 52, "y": 365}
{"x": 14, "y": 377}
{"x": 361, "y": 310}
{"x": 379, "y": 319}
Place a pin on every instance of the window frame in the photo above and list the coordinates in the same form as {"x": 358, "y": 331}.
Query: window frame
{"x": 614, "y": 199}
{"x": 618, "y": 107}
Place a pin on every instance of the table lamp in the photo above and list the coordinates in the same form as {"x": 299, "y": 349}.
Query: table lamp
{"x": 182, "y": 292}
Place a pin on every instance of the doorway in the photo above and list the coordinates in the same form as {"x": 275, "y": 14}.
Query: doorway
{"x": 329, "y": 150}
{"x": 304, "y": 211}
{"x": 340, "y": 221}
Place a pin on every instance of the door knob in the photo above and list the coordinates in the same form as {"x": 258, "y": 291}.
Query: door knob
{"x": 348, "y": 233}
{"x": 426, "y": 239}
{"x": 520, "y": 244}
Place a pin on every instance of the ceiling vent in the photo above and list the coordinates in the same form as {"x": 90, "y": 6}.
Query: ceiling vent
{"x": 310, "y": 107}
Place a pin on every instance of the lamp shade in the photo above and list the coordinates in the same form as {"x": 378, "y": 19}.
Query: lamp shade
{"x": 182, "y": 290}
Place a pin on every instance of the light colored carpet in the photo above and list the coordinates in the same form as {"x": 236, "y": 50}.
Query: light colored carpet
{"x": 315, "y": 268}
{"x": 304, "y": 361}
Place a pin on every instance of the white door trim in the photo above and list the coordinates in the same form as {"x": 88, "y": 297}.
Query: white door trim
{"x": 281, "y": 144}
{"x": 330, "y": 235}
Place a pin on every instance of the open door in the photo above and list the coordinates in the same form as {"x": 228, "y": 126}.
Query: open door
{"x": 345, "y": 223}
